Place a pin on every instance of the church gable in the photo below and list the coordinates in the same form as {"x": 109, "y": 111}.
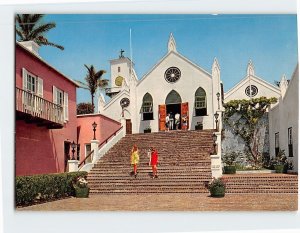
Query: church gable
{"x": 174, "y": 59}
{"x": 253, "y": 87}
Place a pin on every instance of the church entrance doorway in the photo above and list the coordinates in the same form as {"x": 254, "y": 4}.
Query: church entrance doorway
{"x": 173, "y": 109}
{"x": 172, "y": 106}
{"x": 182, "y": 109}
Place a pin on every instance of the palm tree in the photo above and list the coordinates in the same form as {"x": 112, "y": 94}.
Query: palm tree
{"x": 30, "y": 28}
{"x": 93, "y": 81}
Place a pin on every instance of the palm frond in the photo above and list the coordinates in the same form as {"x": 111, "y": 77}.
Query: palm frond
{"x": 43, "y": 41}
{"x": 81, "y": 84}
{"x": 40, "y": 30}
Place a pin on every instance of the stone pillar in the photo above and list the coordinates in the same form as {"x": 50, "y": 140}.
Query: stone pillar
{"x": 216, "y": 162}
{"x": 73, "y": 165}
{"x": 94, "y": 147}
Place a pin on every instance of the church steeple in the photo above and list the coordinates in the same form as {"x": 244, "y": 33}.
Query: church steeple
{"x": 171, "y": 44}
{"x": 250, "y": 69}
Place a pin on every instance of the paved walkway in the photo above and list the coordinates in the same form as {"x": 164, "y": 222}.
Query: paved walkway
{"x": 173, "y": 202}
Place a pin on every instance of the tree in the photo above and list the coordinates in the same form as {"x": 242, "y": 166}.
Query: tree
{"x": 93, "y": 81}
{"x": 249, "y": 113}
{"x": 84, "y": 108}
{"x": 30, "y": 28}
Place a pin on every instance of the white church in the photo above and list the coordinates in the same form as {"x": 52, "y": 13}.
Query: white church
{"x": 177, "y": 85}
{"x": 174, "y": 85}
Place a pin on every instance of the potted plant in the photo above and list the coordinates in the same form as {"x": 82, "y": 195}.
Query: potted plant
{"x": 81, "y": 187}
{"x": 217, "y": 187}
{"x": 281, "y": 163}
{"x": 199, "y": 126}
{"x": 229, "y": 160}
{"x": 147, "y": 130}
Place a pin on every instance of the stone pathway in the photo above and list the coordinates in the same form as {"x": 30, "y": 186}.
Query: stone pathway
{"x": 173, "y": 202}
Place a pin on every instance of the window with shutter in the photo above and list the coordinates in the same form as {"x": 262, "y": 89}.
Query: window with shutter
{"x": 66, "y": 106}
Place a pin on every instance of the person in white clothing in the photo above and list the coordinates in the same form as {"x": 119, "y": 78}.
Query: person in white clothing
{"x": 171, "y": 123}
{"x": 167, "y": 122}
{"x": 177, "y": 120}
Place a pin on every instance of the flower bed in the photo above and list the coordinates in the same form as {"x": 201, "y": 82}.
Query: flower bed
{"x": 40, "y": 188}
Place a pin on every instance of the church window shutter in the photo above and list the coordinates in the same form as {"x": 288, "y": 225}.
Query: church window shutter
{"x": 162, "y": 117}
{"x": 185, "y": 115}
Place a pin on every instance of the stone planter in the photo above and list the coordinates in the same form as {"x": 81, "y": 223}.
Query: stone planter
{"x": 147, "y": 130}
{"x": 82, "y": 192}
{"x": 217, "y": 191}
{"x": 229, "y": 169}
{"x": 199, "y": 127}
{"x": 281, "y": 168}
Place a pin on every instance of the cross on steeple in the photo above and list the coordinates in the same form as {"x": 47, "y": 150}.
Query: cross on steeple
{"x": 121, "y": 53}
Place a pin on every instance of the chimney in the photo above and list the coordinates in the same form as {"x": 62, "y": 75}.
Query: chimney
{"x": 31, "y": 46}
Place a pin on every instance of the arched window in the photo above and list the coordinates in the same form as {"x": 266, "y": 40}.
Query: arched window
{"x": 147, "y": 107}
{"x": 173, "y": 98}
{"x": 200, "y": 102}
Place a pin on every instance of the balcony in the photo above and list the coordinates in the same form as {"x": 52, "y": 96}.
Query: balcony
{"x": 36, "y": 110}
{"x": 111, "y": 91}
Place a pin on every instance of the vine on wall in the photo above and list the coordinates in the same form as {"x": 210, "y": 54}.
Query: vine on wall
{"x": 249, "y": 113}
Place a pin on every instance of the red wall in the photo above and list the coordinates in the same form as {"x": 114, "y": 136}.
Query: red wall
{"x": 38, "y": 149}
{"x": 105, "y": 127}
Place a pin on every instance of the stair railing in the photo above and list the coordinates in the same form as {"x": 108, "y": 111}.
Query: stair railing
{"x": 83, "y": 162}
{"x": 102, "y": 149}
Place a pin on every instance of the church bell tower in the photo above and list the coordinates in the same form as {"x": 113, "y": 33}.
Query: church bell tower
{"x": 120, "y": 74}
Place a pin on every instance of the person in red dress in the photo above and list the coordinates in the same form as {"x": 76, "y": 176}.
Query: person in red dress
{"x": 153, "y": 162}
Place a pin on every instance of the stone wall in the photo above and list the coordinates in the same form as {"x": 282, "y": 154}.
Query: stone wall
{"x": 234, "y": 143}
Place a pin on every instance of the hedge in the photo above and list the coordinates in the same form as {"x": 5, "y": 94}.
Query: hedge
{"x": 46, "y": 187}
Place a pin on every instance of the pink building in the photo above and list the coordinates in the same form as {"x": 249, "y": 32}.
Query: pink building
{"x": 45, "y": 114}
{"x": 106, "y": 127}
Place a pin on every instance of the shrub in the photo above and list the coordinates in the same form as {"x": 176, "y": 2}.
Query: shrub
{"x": 40, "y": 188}
{"x": 229, "y": 169}
{"x": 217, "y": 187}
{"x": 229, "y": 158}
{"x": 280, "y": 161}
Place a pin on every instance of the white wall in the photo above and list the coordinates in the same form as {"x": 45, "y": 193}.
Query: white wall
{"x": 113, "y": 108}
{"x": 124, "y": 64}
{"x": 191, "y": 79}
{"x": 264, "y": 89}
{"x": 283, "y": 116}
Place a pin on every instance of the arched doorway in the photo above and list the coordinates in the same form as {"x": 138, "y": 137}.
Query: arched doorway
{"x": 173, "y": 104}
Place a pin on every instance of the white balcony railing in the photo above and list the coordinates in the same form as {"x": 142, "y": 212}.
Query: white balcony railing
{"x": 38, "y": 107}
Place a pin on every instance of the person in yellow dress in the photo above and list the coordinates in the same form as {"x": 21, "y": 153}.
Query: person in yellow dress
{"x": 134, "y": 159}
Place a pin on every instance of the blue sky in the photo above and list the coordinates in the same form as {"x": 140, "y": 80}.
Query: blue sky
{"x": 270, "y": 41}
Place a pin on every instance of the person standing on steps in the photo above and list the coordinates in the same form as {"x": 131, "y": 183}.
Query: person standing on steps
{"x": 171, "y": 126}
{"x": 167, "y": 122}
{"x": 153, "y": 162}
{"x": 177, "y": 120}
{"x": 184, "y": 122}
{"x": 134, "y": 159}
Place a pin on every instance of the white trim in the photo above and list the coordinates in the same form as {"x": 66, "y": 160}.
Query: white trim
{"x": 115, "y": 98}
{"x": 165, "y": 57}
{"x": 66, "y": 106}
{"x": 253, "y": 78}
{"x": 38, "y": 57}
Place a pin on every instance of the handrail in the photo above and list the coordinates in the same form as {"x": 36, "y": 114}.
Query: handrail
{"x": 103, "y": 143}
{"x": 113, "y": 134}
{"x": 83, "y": 161}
